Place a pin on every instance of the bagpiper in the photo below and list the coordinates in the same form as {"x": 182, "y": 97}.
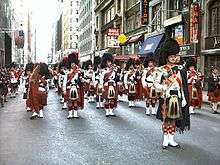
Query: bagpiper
{"x": 130, "y": 82}
{"x": 14, "y": 79}
{"x": 150, "y": 94}
{"x": 74, "y": 86}
{"x": 62, "y": 81}
{"x": 214, "y": 89}
{"x": 97, "y": 83}
{"x": 89, "y": 81}
{"x": 138, "y": 79}
{"x": 26, "y": 85}
{"x": 194, "y": 85}
{"x": 109, "y": 85}
{"x": 38, "y": 90}
{"x": 173, "y": 99}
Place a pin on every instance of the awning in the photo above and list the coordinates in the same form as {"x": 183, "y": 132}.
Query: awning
{"x": 136, "y": 38}
{"x": 125, "y": 57}
{"x": 210, "y": 51}
{"x": 151, "y": 44}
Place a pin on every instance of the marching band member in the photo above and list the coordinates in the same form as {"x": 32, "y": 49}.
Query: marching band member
{"x": 194, "y": 85}
{"x": 55, "y": 77}
{"x": 97, "y": 82}
{"x": 138, "y": 79}
{"x": 2, "y": 84}
{"x": 170, "y": 83}
{"x": 13, "y": 80}
{"x": 214, "y": 89}
{"x": 130, "y": 82}
{"x": 62, "y": 81}
{"x": 25, "y": 81}
{"x": 148, "y": 84}
{"x": 37, "y": 90}
{"x": 74, "y": 86}
{"x": 89, "y": 81}
{"x": 119, "y": 82}
{"x": 109, "y": 85}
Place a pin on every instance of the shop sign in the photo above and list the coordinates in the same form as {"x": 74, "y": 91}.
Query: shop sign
{"x": 179, "y": 34}
{"x": 187, "y": 50}
{"x": 194, "y": 22}
{"x": 113, "y": 32}
{"x": 144, "y": 9}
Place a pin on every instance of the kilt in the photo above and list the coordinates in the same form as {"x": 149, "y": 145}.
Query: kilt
{"x": 139, "y": 91}
{"x": 195, "y": 102}
{"x": 212, "y": 97}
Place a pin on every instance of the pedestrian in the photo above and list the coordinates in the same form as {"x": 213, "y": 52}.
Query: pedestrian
{"x": 214, "y": 89}
{"x": 173, "y": 99}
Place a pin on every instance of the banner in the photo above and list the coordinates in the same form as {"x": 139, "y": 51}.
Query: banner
{"x": 144, "y": 8}
{"x": 179, "y": 34}
{"x": 19, "y": 39}
{"x": 194, "y": 22}
{"x": 113, "y": 32}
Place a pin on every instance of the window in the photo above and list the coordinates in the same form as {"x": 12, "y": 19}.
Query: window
{"x": 119, "y": 5}
{"x": 214, "y": 25}
{"x": 156, "y": 16}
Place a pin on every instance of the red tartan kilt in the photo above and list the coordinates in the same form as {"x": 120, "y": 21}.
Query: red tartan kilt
{"x": 212, "y": 97}
{"x": 139, "y": 91}
{"x": 195, "y": 102}
{"x": 120, "y": 89}
{"x": 75, "y": 104}
{"x": 146, "y": 92}
{"x": 42, "y": 96}
{"x": 86, "y": 85}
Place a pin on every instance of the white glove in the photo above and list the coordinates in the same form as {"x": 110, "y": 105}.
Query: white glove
{"x": 184, "y": 103}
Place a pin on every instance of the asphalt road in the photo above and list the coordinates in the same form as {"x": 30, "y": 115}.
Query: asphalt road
{"x": 131, "y": 138}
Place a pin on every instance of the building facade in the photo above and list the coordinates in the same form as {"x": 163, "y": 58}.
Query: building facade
{"x": 70, "y": 28}
{"x": 5, "y": 32}
{"x": 86, "y": 30}
{"x": 210, "y": 36}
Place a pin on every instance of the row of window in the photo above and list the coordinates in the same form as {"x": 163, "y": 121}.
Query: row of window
{"x": 85, "y": 34}
{"x": 86, "y": 47}
{"x": 108, "y": 15}
{"x": 86, "y": 8}
{"x": 86, "y": 21}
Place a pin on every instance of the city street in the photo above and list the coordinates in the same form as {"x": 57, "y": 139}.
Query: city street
{"x": 131, "y": 138}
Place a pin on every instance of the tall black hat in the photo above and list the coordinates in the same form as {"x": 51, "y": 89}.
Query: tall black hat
{"x": 29, "y": 67}
{"x": 106, "y": 57}
{"x": 44, "y": 70}
{"x": 129, "y": 63}
{"x": 97, "y": 61}
{"x": 170, "y": 47}
{"x": 190, "y": 62}
{"x": 73, "y": 58}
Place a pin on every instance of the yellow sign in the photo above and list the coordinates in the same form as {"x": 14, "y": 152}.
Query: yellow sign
{"x": 122, "y": 39}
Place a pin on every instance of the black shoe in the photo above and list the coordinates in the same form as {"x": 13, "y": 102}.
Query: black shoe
{"x": 34, "y": 117}
{"x": 177, "y": 146}
{"x": 214, "y": 112}
{"x": 107, "y": 115}
{"x": 76, "y": 117}
{"x": 165, "y": 147}
{"x": 69, "y": 118}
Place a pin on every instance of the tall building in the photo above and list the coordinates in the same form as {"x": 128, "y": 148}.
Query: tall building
{"x": 210, "y": 36}
{"x": 5, "y": 32}
{"x": 22, "y": 21}
{"x": 70, "y": 30}
{"x": 86, "y": 30}
{"x": 109, "y": 20}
